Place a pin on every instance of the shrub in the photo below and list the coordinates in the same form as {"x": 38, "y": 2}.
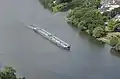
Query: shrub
{"x": 87, "y": 18}
{"x": 59, "y": 7}
{"x": 81, "y": 25}
{"x": 8, "y": 73}
{"x": 114, "y": 41}
{"x": 98, "y": 32}
{"x": 112, "y": 25}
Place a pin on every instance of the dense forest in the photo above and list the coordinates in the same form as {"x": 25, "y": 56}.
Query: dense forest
{"x": 85, "y": 15}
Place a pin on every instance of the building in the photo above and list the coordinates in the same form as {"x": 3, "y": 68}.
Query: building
{"x": 117, "y": 2}
{"x": 108, "y": 5}
{"x": 117, "y": 17}
{"x": 110, "y": 2}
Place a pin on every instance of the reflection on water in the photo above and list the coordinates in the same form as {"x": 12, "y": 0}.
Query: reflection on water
{"x": 115, "y": 52}
{"x": 91, "y": 39}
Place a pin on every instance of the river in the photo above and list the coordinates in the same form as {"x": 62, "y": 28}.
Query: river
{"x": 37, "y": 58}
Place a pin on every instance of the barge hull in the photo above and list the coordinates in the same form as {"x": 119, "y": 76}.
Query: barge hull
{"x": 50, "y": 37}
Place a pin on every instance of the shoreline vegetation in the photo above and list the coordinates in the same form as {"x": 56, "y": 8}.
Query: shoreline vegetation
{"x": 87, "y": 16}
{"x": 8, "y": 73}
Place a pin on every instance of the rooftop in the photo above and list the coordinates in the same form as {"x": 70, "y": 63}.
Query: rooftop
{"x": 108, "y": 5}
{"x": 113, "y": 2}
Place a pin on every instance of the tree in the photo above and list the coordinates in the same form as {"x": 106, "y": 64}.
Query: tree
{"x": 8, "y": 73}
{"x": 87, "y": 18}
{"x": 114, "y": 41}
{"x": 112, "y": 24}
{"x": 59, "y": 7}
{"x": 98, "y": 32}
{"x": 81, "y": 25}
{"x": 63, "y": 1}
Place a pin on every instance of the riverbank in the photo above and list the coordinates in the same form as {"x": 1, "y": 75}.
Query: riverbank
{"x": 86, "y": 16}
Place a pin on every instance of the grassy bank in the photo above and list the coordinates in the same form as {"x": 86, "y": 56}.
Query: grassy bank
{"x": 84, "y": 15}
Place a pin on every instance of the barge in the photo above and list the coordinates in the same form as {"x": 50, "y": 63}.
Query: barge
{"x": 50, "y": 37}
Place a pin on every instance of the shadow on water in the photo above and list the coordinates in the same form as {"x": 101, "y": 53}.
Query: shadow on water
{"x": 91, "y": 39}
{"x": 114, "y": 52}
{"x": 45, "y": 5}
{"x": 73, "y": 27}
{"x": 42, "y": 3}
{"x": 85, "y": 35}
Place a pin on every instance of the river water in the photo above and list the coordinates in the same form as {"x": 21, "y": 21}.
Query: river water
{"x": 36, "y": 58}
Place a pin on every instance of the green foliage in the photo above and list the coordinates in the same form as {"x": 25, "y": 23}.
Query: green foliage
{"x": 86, "y": 18}
{"x": 82, "y": 25}
{"x": 75, "y": 3}
{"x": 85, "y": 15}
{"x": 83, "y": 3}
{"x": 59, "y": 7}
{"x": 114, "y": 41}
{"x": 111, "y": 25}
{"x": 8, "y": 73}
{"x": 71, "y": 3}
{"x": 98, "y": 32}
{"x": 50, "y": 3}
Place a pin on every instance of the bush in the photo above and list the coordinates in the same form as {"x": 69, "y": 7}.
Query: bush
{"x": 72, "y": 20}
{"x": 114, "y": 41}
{"x": 88, "y": 19}
{"x": 8, "y": 73}
{"x": 112, "y": 25}
{"x": 59, "y": 7}
{"x": 82, "y": 26}
{"x": 98, "y": 32}
{"x": 83, "y": 3}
